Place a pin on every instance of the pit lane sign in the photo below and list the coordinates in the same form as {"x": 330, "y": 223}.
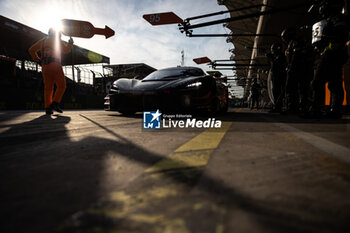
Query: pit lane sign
{"x": 83, "y": 29}
{"x": 201, "y": 60}
{"x": 162, "y": 18}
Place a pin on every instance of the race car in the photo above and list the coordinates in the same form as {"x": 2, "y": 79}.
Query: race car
{"x": 176, "y": 89}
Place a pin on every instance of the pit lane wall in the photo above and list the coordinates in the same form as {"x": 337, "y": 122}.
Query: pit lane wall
{"x": 24, "y": 90}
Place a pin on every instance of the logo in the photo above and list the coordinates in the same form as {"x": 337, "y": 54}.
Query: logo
{"x": 151, "y": 120}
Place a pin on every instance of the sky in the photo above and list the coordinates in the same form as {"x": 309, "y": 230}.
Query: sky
{"x": 135, "y": 40}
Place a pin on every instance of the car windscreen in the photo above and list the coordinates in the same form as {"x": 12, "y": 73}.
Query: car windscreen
{"x": 173, "y": 74}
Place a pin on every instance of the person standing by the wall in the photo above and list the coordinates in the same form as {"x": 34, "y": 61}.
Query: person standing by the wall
{"x": 297, "y": 72}
{"x": 255, "y": 94}
{"x": 278, "y": 75}
{"x": 332, "y": 56}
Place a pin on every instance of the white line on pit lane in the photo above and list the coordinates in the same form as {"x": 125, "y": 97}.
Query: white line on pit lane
{"x": 337, "y": 151}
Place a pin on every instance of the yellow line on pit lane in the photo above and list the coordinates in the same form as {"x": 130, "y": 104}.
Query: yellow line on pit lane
{"x": 194, "y": 153}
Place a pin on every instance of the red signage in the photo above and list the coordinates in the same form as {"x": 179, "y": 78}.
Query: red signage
{"x": 83, "y": 29}
{"x": 162, "y": 18}
{"x": 201, "y": 60}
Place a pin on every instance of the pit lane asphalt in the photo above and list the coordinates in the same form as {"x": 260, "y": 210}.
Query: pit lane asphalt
{"x": 97, "y": 171}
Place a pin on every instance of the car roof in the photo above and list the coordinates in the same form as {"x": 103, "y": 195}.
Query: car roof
{"x": 182, "y": 68}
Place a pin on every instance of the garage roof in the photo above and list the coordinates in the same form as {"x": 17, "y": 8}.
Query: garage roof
{"x": 243, "y": 45}
{"x": 270, "y": 24}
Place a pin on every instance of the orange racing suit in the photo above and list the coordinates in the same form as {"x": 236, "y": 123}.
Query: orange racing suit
{"x": 50, "y": 49}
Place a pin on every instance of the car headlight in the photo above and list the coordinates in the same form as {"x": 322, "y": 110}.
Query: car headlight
{"x": 114, "y": 89}
{"x": 196, "y": 84}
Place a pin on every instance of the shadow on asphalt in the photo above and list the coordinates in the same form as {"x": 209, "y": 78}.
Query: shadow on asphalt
{"x": 9, "y": 115}
{"x": 46, "y": 177}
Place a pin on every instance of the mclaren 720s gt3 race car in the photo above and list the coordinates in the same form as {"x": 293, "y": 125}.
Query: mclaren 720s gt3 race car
{"x": 171, "y": 90}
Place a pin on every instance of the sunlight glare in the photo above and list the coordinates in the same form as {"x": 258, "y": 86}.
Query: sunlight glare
{"x": 52, "y": 18}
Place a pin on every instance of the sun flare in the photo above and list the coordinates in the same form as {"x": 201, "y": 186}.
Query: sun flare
{"x": 54, "y": 19}
{"x": 51, "y": 18}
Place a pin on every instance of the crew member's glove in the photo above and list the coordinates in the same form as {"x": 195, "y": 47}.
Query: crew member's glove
{"x": 71, "y": 42}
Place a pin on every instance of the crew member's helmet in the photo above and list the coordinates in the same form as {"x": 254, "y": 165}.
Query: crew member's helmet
{"x": 330, "y": 8}
{"x": 288, "y": 34}
{"x": 276, "y": 48}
